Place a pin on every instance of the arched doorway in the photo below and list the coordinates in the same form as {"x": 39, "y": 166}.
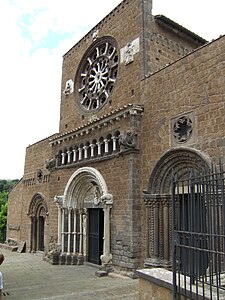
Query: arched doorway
{"x": 84, "y": 217}
{"x": 37, "y": 212}
{"x": 158, "y": 198}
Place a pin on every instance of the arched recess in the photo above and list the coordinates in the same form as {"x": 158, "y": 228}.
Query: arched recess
{"x": 178, "y": 162}
{"x": 38, "y": 211}
{"x": 85, "y": 199}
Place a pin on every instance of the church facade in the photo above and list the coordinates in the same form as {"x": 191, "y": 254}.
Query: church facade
{"x": 141, "y": 97}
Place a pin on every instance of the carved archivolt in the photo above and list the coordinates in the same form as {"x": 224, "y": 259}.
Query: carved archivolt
{"x": 37, "y": 205}
{"x": 180, "y": 161}
{"x": 88, "y": 186}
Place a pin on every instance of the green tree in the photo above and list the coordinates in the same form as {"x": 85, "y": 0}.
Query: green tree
{"x": 3, "y": 214}
{"x": 7, "y": 185}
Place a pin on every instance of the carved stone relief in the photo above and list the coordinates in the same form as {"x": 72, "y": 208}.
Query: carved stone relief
{"x": 69, "y": 87}
{"x": 127, "y": 53}
{"x": 183, "y": 129}
{"x": 128, "y": 140}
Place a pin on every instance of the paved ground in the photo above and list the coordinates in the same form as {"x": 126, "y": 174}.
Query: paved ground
{"x": 27, "y": 276}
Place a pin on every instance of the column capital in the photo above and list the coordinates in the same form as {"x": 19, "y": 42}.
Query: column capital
{"x": 106, "y": 199}
{"x": 59, "y": 200}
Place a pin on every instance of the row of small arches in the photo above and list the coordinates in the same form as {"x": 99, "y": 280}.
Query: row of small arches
{"x": 88, "y": 150}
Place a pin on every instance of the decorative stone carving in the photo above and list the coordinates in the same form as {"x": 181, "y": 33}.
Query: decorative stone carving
{"x": 93, "y": 118}
{"x": 59, "y": 200}
{"x": 39, "y": 175}
{"x": 107, "y": 199}
{"x": 69, "y": 87}
{"x": 96, "y": 76}
{"x": 128, "y": 52}
{"x": 95, "y": 35}
{"x": 182, "y": 129}
{"x": 128, "y": 140}
{"x": 50, "y": 163}
{"x": 14, "y": 226}
{"x": 93, "y": 196}
{"x": 106, "y": 259}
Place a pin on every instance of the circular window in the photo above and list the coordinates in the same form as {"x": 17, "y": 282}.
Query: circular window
{"x": 182, "y": 129}
{"x": 97, "y": 74}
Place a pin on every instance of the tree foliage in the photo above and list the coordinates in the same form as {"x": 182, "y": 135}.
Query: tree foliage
{"x": 7, "y": 185}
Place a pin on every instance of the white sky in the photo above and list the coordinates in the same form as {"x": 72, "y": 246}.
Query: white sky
{"x": 34, "y": 36}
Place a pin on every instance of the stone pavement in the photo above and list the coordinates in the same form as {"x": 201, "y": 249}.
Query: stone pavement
{"x": 27, "y": 276}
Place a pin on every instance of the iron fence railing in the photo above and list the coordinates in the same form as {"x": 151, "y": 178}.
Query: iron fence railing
{"x": 199, "y": 236}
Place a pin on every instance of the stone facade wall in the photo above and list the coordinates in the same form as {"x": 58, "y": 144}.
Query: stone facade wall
{"x": 14, "y": 217}
{"x": 123, "y": 25}
{"x": 129, "y": 21}
{"x": 192, "y": 85}
{"x": 36, "y": 179}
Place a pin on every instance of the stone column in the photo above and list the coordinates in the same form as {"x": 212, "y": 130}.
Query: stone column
{"x": 59, "y": 224}
{"x": 81, "y": 231}
{"x": 166, "y": 229}
{"x": 106, "y": 247}
{"x": 106, "y": 141}
{"x": 159, "y": 230}
{"x": 85, "y": 151}
{"x": 59, "y": 203}
{"x": 69, "y": 156}
{"x": 74, "y": 155}
{"x": 106, "y": 258}
{"x": 63, "y": 158}
{"x": 85, "y": 232}
{"x": 152, "y": 203}
{"x": 63, "y": 228}
{"x": 92, "y": 150}
{"x": 114, "y": 143}
{"x": 75, "y": 231}
{"x": 99, "y": 148}
{"x": 69, "y": 230}
{"x": 80, "y": 153}
{"x": 156, "y": 229}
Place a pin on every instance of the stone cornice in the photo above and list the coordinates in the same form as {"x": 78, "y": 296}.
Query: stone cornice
{"x": 97, "y": 123}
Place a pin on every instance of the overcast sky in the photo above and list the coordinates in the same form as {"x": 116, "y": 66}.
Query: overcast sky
{"x": 34, "y": 36}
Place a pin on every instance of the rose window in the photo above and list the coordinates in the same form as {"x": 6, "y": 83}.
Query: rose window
{"x": 96, "y": 75}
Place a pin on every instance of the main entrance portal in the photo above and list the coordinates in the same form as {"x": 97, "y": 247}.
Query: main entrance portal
{"x": 84, "y": 217}
{"x": 95, "y": 236}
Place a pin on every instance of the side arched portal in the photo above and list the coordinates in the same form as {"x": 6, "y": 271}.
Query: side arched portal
{"x": 178, "y": 162}
{"x": 84, "y": 217}
{"x": 38, "y": 212}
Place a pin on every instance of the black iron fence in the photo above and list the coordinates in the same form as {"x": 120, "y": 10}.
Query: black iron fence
{"x": 199, "y": 236}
